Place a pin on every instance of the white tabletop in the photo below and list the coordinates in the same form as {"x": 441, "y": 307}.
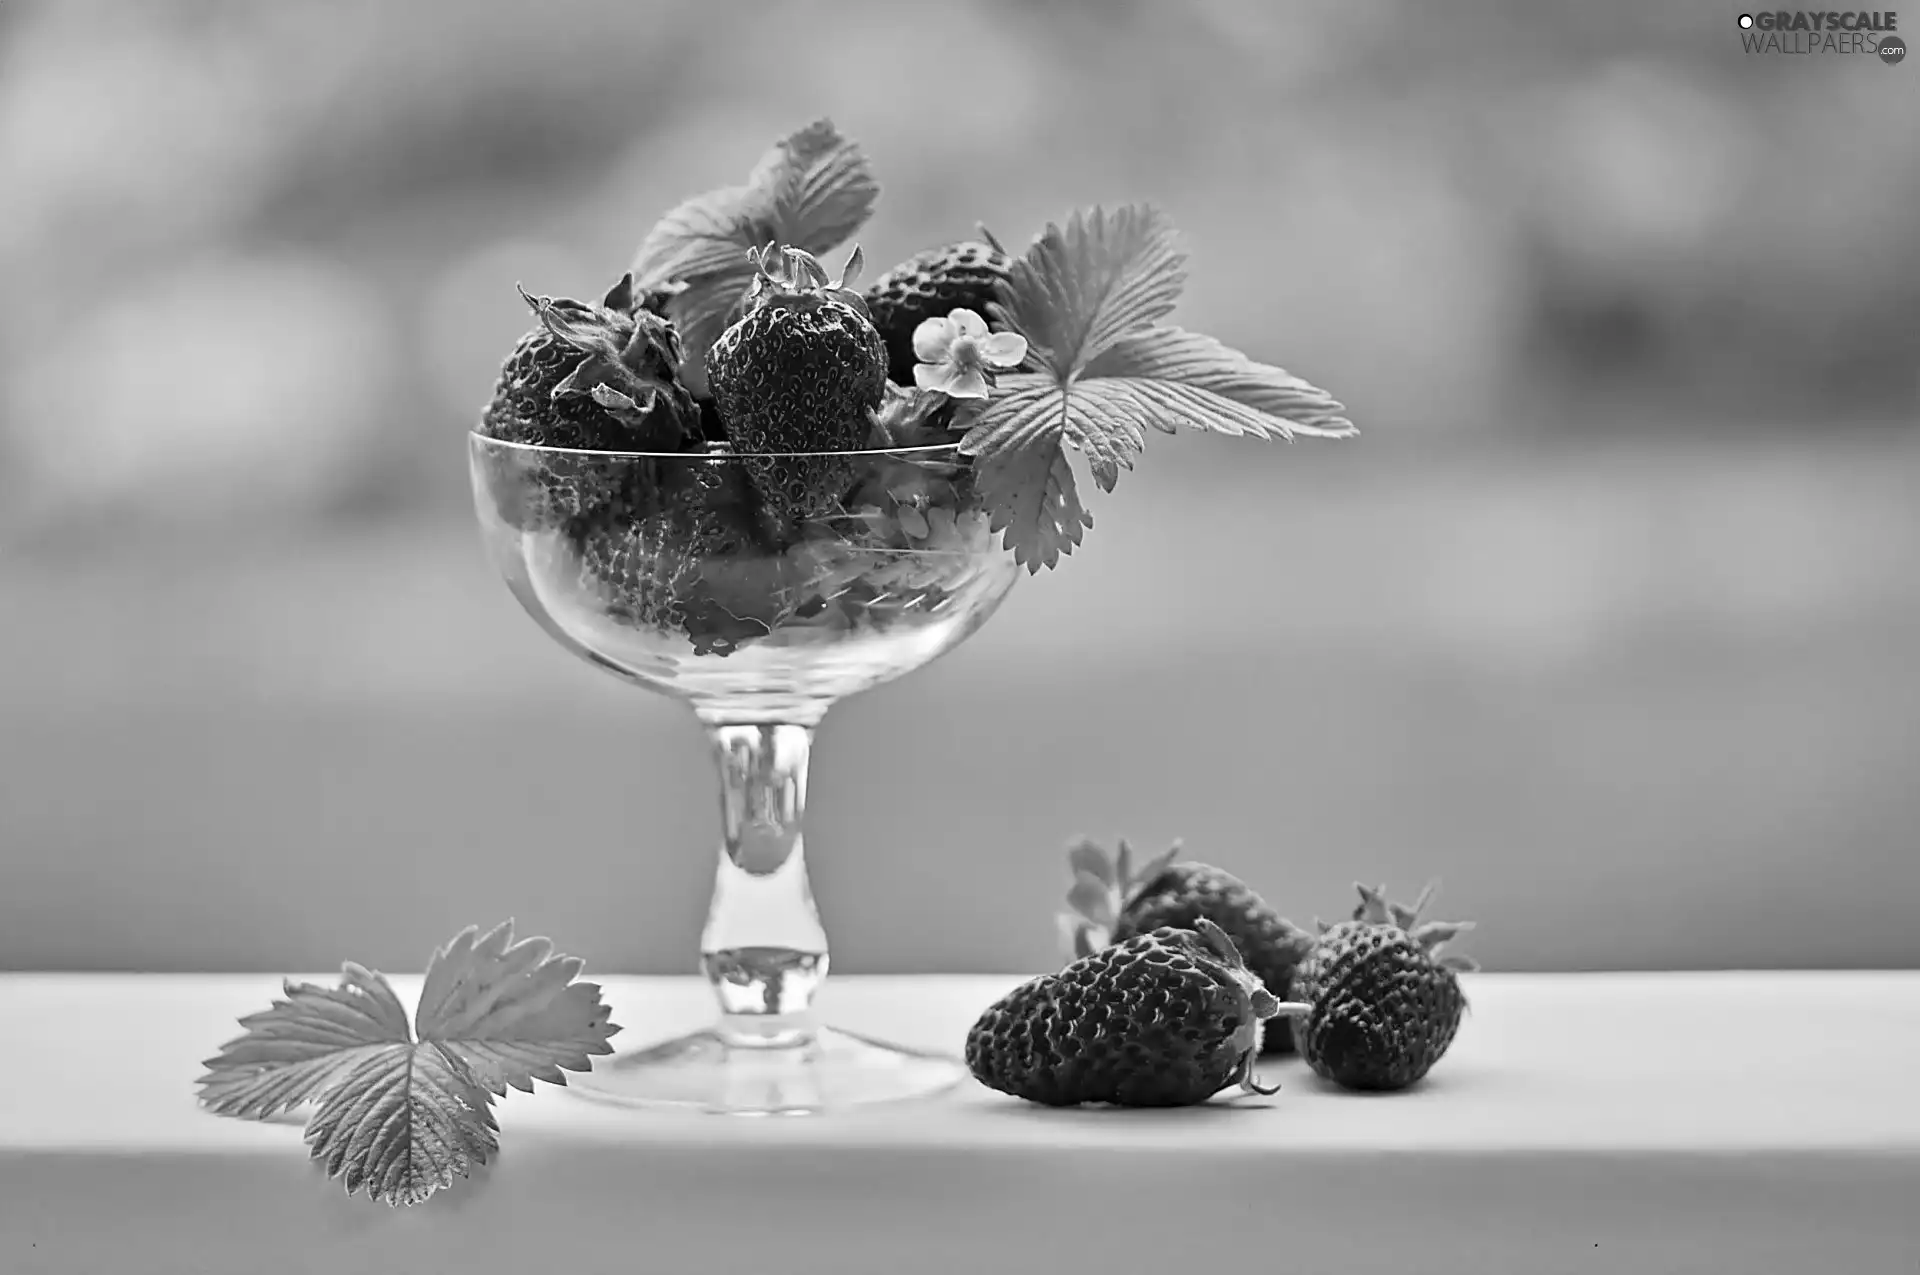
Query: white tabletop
{"x": 1665, "y": 1123}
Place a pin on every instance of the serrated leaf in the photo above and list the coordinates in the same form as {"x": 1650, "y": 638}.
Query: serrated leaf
{"x": 401, "y": 1117}
{"x": 300, "y": 1046}
{"x": 1030, "y": 493}
{"x": 1023, "y": 475}
{"x": 404, "y": 1122}
{"x": 510, "y": 1013}
{"x": 1090, "y": 298}
{"x": 1106, "y": 419}
{"x": 1081, "y": 287}
{"x": 1261, "y": 400}
{"x": 1107, "y": 423}
{"x": 1025, "y": 414}
{"x": 819, "y": 187}
{"x": 812, "y": 190}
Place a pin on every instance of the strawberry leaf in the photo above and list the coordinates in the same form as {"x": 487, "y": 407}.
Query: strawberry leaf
{"x": 1198, "y": 382}
{"x": 818, "y": 187}
{"x": 402, "y": 1123}
{"x": 1029, "y": 492}
{"x": 1108, "y": 425}
{"x": 811, "y": 191}
{"x": 301, "y": 1046}
{"x": 1080, "y": 288}
{"x": 402, "y": 1112}
{"x": 1101, "y": 419}
{"x": 1090, "y": 299}
{"x": 510, "y": 1013}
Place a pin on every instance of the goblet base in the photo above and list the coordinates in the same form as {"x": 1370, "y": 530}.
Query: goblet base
{"x": 795, "y": 1073}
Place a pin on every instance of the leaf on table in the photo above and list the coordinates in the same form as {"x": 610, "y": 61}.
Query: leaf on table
{"x": 811, "y": 191}
{"x": 402, "y": 1112}
{"x": 404, "y": 1122}
{"x": 301, "y": 1045}
{"x": 511, "y": 1013}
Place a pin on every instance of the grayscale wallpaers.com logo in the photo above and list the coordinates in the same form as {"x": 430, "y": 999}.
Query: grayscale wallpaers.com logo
{"x": 1781, "y": 32}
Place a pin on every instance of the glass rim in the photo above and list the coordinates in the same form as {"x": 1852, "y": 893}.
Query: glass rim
{"x": 474, "y": 436}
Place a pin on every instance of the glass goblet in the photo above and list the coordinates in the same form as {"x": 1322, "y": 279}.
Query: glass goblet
{"x": 670, "y": 571}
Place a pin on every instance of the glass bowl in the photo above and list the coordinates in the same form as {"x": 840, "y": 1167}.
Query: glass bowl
{"x": 759, "y": 590}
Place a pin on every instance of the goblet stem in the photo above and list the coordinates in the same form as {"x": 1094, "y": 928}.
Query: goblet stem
{"x": 763, "y": 949}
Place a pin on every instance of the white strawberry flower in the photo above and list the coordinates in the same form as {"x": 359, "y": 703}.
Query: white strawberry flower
{"x": 955, "y": 353}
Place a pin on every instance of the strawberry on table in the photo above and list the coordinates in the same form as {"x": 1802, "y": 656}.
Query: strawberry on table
{"x": 1385, "y": 1002}
{"x": 1168, "y": 1018}
{"x": 1112, "y": 900}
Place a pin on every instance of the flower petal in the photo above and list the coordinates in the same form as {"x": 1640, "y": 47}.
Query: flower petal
{"x": 1004, "y": 349}
{"x": 967, "y": 323}
{"x": 933, "y": 376}
{"x": 931, "y": 339}
{"x": 971, "y": 383}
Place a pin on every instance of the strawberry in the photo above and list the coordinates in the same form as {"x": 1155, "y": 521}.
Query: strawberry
{"x": 961, "y": 276}
{"x": 708, "y": 429}
{"x": 1168, "y": 1018}
{"x": 1385, "y": 1002}
{"x": 1112, "y": 902}
{"x": 598, "y": 377}
{"x": 801, "y": 371}
{"x": 685, "y": 560}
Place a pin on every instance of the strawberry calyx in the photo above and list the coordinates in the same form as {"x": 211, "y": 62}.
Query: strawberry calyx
{"x": 918, "y": 418}
{"x": 788, "y": 272}
{"x": 629, "y": 357}
{"x": 1104, "y": 886}
{"x": 1265, "y": 1006}
{"x": 1374, "y": 908}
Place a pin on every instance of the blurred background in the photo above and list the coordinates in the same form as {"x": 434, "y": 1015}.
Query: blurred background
{"x": 1610, "y": 619}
